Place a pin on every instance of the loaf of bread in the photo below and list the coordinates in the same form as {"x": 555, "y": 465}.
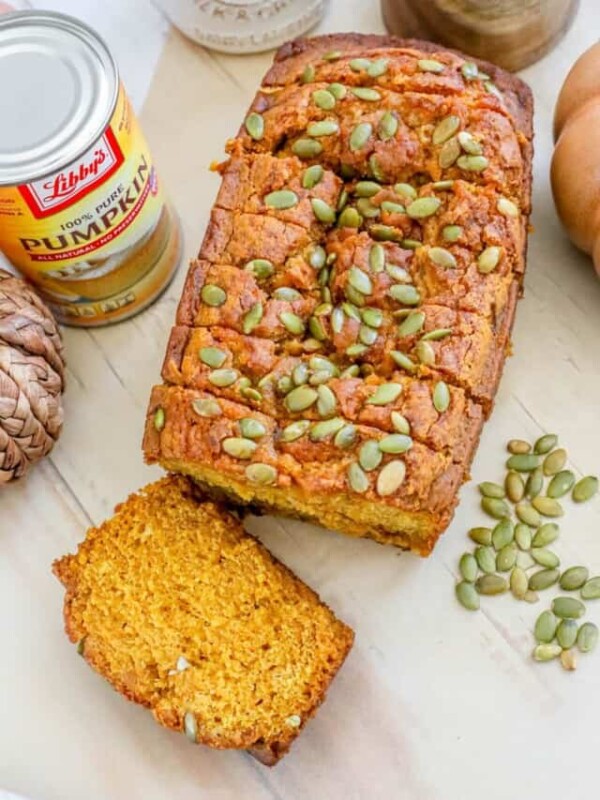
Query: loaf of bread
{"x": 186, "y": 614}
{"x": 341, "y": 335}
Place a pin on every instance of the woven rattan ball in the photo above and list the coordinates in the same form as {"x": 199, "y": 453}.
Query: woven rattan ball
{"x": 31, "y": 378}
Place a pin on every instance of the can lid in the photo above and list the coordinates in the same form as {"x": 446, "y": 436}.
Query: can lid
{"x": 59, "y": 87}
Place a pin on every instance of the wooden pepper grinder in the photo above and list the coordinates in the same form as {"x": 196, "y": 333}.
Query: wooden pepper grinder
{"x": 511, "y": 33}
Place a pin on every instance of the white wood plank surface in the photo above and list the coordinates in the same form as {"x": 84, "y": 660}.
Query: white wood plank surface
{"x": 433, "y": 703}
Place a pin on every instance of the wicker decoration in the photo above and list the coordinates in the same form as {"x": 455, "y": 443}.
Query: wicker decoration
{"x": 31, "y": 378}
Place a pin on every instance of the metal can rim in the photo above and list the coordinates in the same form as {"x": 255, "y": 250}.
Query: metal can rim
{"x": 71, "y": 22}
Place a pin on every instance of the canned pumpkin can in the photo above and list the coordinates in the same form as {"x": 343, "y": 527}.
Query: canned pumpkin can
{"x": 82, "y": 212}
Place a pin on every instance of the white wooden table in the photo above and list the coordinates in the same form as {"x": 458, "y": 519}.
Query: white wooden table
{"x": 433, "y": 703}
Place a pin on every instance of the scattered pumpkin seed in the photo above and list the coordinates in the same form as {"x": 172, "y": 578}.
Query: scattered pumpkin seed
{"x": 449, "y": 153}
{"x": 300, "y": 374}
{"x": 472, "y": 163}
{"x": 503, "y": 533}
{"x": 545, "y": 444}
{"x": 338, "y": 90}
{"x": 255, "y": 125}
{"x": 332, "y": 55}
{"x": 423, "y": 207}
{"x": 385, "y": 393}
{"x": 442, "y": 257}
{"x": 546, "y": 534}
{"x": 315, "y": 326}
{"x": 591, "y": 589}
{"x": 488, "y": 260}
{"x": 322, "y": 211}
{"x": 159, "y": 419}
{"x": 490, "y": 489}
{"x": 531, "y": 597}
{"x": 326, "y": 401}
{"x": 535, "y": 483}
{"x": 239, "y": 447}
{"x": 395, "y": 443}
{"x": 430, "y": 65}
{"x": 405, "y": 190}
{"x": 467, "y": 596}
{"x": 377, "y": 68}
{"x": 190, "y": 726}
{"x": 360, "y": 136}
{"x": 312, "y": 176}
{"x": 546, "y": 652}
{"x": 324, "y": 127}
{"x": 518, "y": 447}
{"x": 568, "y": 607}
{"x": 328, "y": 427}
{"x": 543, "y": 579}
{"x": 260, "y": 267}
{"x": 317, "y": 257}
{"x": 491, "y": 584}
{"x": 369, "y": 455}
{"x": 213, "y": 295}
{"x": 337, "y": 320}
{"x": 223, "y": 377}
{"x": 469, "y": 143}
{"x": 359, "y": 64}
{"x": 486, "y": 558}
{"x": 561, "y": 484}
{"x": 376, "y": 169}
{"x": 367, "y": 209}
{"x": 523, "y": 536}
{"x": 357, "y": 479}
{"x": 264, "y": 474}
{"x": 527, "y": 514}
{"x": 307, "y": 148}
{"x": 545, "y": 558}
{"x": 388, "y": 126}
{"x": 506, "y": 558}
{"x": 372, "y": 317}
{"x": 441, "y": 397}
{"x": 207, "y": 408}
{"x": 408, "y": 295}
{"x": 436, "y": 335}
{"x": 547, "y": 506}
{"x": 400, "y": 423}
{"x": 469, "y": 71}
{"x": 251, "y": 428}
{"x": 585, "y": 489}
{"x": 507, "y": 208}
{"x": 398, "y": 274}
{"x": 366, "y": 188}
{"x": 545, "y": 627}
{"x": 356, "y": 350}
{"x": 404, "y": 361}
{"x": 514, "y": 487}
{"x": 323, "y": 99}
{"x": 366, "y": 93}
{"x": 359, "y": 279}
{"x": 345, "y": 437}
{"x": 292, "y": 322}
{"x": 295, "y": 430}
{"x": 554, "y": 462}
{"x": 519, "y": 582}
{"x": 287, "y": 294}
{"x": 452, "y": 233}
{"x": 566, "y": 633}
{"x": 392, "y": 208}
{"x": 385, "y": 233}
{"x": 301, "y": 398}
{"x": 445, "y": 129}
{"x": 468, "y": 567}
{"x": 252, "y": 318}
{"x": 425, "y": 353}
{"x": 568, "y": 660}
{"x": 587, "y": 637}
{"x": 573, "y": 578}
{"x": 390, "y": 478}
{"x": 523, "y": 462}
{"x": 481, "y": 535}
{"x": 281, "y": 199}
{"x": 308, "y": 75}
{"x": 495, "y": 508}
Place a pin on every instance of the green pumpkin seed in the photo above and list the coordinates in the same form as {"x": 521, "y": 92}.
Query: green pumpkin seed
{"x": 369, "y": 455}
{"x": 486, "y": 558}
{"x": 392, "y": 208}
{"x": 507, "y": 208}
{"x": 255, "y": 125}
{"x": 406, "y": 294}
{"x": 531, "y": 597}
{"x": 338, "y": 90}
{"x": 264, "y": 474}
{"x": 360, "y": 136}
{"x": 285, "y": 384}
{"x": 425, "y": 353}
{"x": 213, "y": 295}
{"x": 568, "y": 608}
{"x": 315, "y": 326}
{"x": 356, "y": 350}
{"x": 300, "y": 374}
{"x": 287, "y": 294}
{"x": 251, "y": 428}
{"x": 495, "y": 508}
{"x": 445, "y": 129}
{"x": 400, "y": 423}
{"x": 406, "y": 190}
{"x": 391, "y": 478}
{"x": 404, "y": 361}
{"x": 328, "y": 427}
{"x": 481, "y": 535}
{"x": 322, "y": 211}
{"x": 308, "y": 74}
{"x": 388, "y": 126}
{"x": 591, "y": 589}
{"x": 441, "y": 397}
{"x": 585, "y": 489}
{"x": 492, "y": 89}
{"x": 436, "y": 335}
{"x": 545, "y": 444}
{"x": 547, "y": 534}
{"x": 312, "y": 176}
{"x": 359, "y": 64}
{"x": 535, "y": 483}
{"x": 190, "y": 726}
{"x": 472, "y": 163}
{"x": 503, "y": 533}
{"x": 506, "y": 558}
{"x": 317, "y": 257}
{"x": 349, "y": 218}
{"x": 490, "y": 489}
{"x": 518, "y": 447}
{"x": 223, "y": 377}
{"x": 547, "y": 506}
{"x": 238, "y": 447}
{"x": 159, "y": 419}
{"x": 442, "y": 257}
{"x": 324, "y": 127}
{"x": 587, "y": 638}
{"x": 395, "y": 443}
{"x": 342, "y": 199}
{"x": 468, "y": 567}
{"x": 366, "y": 188}
{"x": 523, "y": 462}
{"x": 519, "y": 583}
{"x": 561, "y": 484}
{"x": 301, "y": 398}
{"x": 295, "y": 430}
{"x": 545, "y": 558}
{"x": 337, "y": 320}
{"x": 326, "y": 402}
{"x": 554, "y": 462}
{"x": 527, "y": 514}
{"x": 332, "y": 55}
{"x": 489, "y": 259}
{"x": 543, "y": 579}
{"x": 366, "y": 93}
{"x": 491, "y": 584}
{"x": 281, "y": 199}
{"x": 357, "y": 479}
{"x": 384, "y": 394}
{"x": 469, "y": 144}
{"x": 398, "y": 274}
{"x": 423, "y": 207}
{"x": 244, "y": 382}
{"x": 412, "y": 324}
{"x": 452, "y": 233}
{"x": 322, "y": 363}
{"x": 573, "y": 578}
{"x": 252, "y": 318}
{"x": 367, "y": 209}
{"x": 372, "y": 317}
{"x": 307, "y": 148}
{"x": 545, "y": 627}
{"x": 360, "y": 280}
{"x": 448, "y": 154}
{"x": 523, "y": 536}
{"x": 212, "y": 356}
{"x": 514, "y": 487}
{"x": 353, "y": 371}
{"x": 467, "y": 596}
{"x": 385, "y": 233}
{"x": 469, "y": 71}
{"x": 442, "y": 185}
{"x": 376, "y": 169}
{"x": 546, "y": 652}
{"x": 207, "y": 408}
{"x": 260, "y": 267}
{"x": 323, "y": 99}
{"x": 292, "y": 322}
{"x": 430, "y": 65}
{"x": 377, "y": 68}
{"x": 345, "y": 437}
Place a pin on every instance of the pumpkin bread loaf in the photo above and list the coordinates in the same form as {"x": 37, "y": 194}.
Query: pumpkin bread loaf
{"x": 341, "y": 335}
{"x": 186, "y": 614}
